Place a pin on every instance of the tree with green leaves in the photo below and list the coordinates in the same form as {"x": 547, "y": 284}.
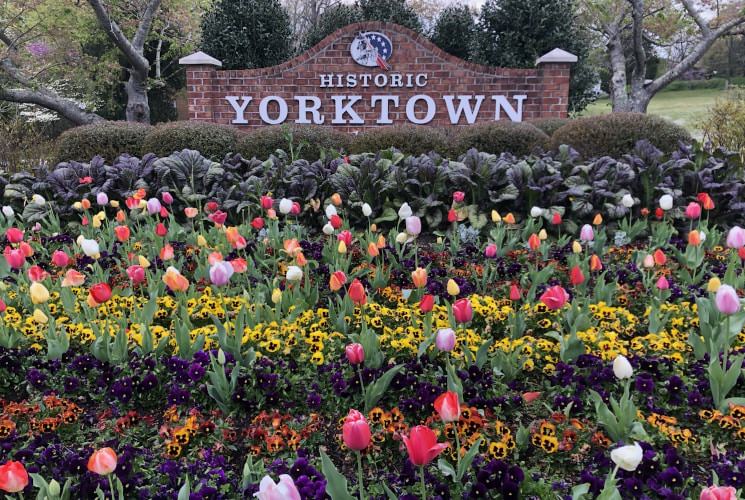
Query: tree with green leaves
{"x": 331, "y": 20}
{"x": 455, "y": 31}
{"x": 247, "y": 33}
{"x": 514, "y": 33}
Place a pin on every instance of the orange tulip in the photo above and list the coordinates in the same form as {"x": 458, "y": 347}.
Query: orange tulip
{"x": 419, "y": 277}
{"x": 337, "y": 281}
{"x": 121, "y": 216}
{"x": 214, "y": 257}
{"x": 292, "y": 247}
{"x": 235, "y": 239}
{"x": 372, "y": 249}
{"x": 381, "y": 241}
{"x": 122, "y": 233}
{"x": 534, "y": 242}
{"x": 166, "y": 253}
{"x": 509, "y": 218}
{"x": 597, "y": 220}
{"x": 103, "y": 461}
{"x": 175, "y": 280}
{"x": 694, "y": 238}
{"x": 659, "y": 257}
{"x": 85, "y": 203}
{"x": 595, "y": 264}
{"x": 73, "y": 278}
{"x": 300, "y": 259}
{"x": 336, "y": 199}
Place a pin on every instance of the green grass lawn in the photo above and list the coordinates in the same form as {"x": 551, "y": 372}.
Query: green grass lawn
{"x": 684, "y": 107}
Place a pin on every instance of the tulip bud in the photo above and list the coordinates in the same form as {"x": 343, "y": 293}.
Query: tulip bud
{"x": 53, "y": 489}
{"x": 576, "y": 247}
{"x": 221, "y": 357}
{"x": 453, "y": 288}
{"x": 495, "y": 217}
{"x": 713, "y": 285}
{"x": 276, "y": 296}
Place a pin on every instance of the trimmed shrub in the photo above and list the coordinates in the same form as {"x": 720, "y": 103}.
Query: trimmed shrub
{"x": 308, "y": 142}
{"x": 724, "y": 126}
{"x": 212, "y": 140}
{"x": 500, "y": 137}
{"x": 406, "y": 138}
{"x": 106, "y": 139}
{"x": 550, "y": 125}
{"x": 615, "y": 134}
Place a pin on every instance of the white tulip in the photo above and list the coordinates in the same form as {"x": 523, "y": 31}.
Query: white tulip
{"x": 294, "y": 273}
{"x": 401, "y": 238}
{"x": 627, "y": 201}
{"x": 8, "y": 211}
{"x": 330, "y": 211}
{"x": 285, "y": 206}
{"x": 622, "y": 368}
{"x": 405, "y": 211}
{"x": 536, "y": 212}
{"x": 366, "y": 210}
{"x": 666, "y": 202}
{"x": 38, "y": 199}
{"x": 328, "y": 229}
{"x": 90, "y": 247}
{"x": 627, "y": 457}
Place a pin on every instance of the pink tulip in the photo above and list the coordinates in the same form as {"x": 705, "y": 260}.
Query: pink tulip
{"x": 102, "y": 199}
{"x": 413, "y": 225}
{"x": 515, "y": 292}
{"x": 355, "y": 353}
{"x": 422, "y": 445}
{"x": 448, "y": 406}
{"x": 445, "y": 339}
{"x": 719, "y": 493}
{"x": 490, "y": 251}
{"x": 14, "y": 235}
{"x": 60, "y": 258}
{"x": 284, "y": 490}
{"x": 462, "y": 311}
{"x": 555, "y": 297}
{"x": 736, "y": 237}
{"x": 103, "y": 461}
{"x": 587, "y": 233}
{"x": 346, "y": 237}
{"x": 167, "y": 197}
{"x": 220, "y": 273}
{"x": 726, "y": 300}
{"x": 459, "y": 196}
{"x": 36, "y": 274}
{"x": 356, "y": 431}
{"x": 153, "y": 206}
{"x": 693, "y": 210}
{"x": 15, "y": 257}
{"x": 662, "y": 283}
{"x": 136, "y": 274}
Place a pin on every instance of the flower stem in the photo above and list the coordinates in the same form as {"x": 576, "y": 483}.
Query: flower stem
{"x": 457, "y": 446}
{"x": 362, "y": 382}
{"x": 424, "y": 486}
{"x": 360, "y": 479}
{"x": 111, "y": 486}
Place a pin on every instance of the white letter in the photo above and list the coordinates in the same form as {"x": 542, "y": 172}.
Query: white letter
{"x": 464, "y": 106}
{"x": 351, "y": 80}
{"x": 381, "y": 80}
{"x": 384, "y": 101}
{"x": 396, "y": 80}
{"x": 341, "y": 108}
{"x": 304, "y": 108}
{"x": 365, "y": 79}
{"x": 239, "y": 109}
{"x": 326, "y": 80}
{"x": 502, "y": 102}
{"x": 421, "y": 79}
{"x": 431, "y": 108}
{"x": 263, "y": 108}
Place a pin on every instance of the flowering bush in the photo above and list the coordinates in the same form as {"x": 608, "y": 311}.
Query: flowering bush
{"x": 156, "y": 342}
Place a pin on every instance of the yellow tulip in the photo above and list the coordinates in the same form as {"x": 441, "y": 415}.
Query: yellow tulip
{"x": 373, "y": 228}
{"x": 714, "y": 284}
{"x": 276, "y": 295}
{"x": 143, "y": 262}
{"x": 39, "y": 293}
{"x": 576, "y": 247}
{"x": 495, "y": 217}
{"x": 542, "y": 235}
{"x": 342, "y": 247}
{"x": 201, "y": 241}
{"x": 453, "y": 288}
{"x": 77, "y": 206}
{"x": 40, "y": 317}
{"x": 114, "y": 203}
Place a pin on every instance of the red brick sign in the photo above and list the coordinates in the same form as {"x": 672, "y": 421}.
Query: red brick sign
{"x": 376, "y": 74}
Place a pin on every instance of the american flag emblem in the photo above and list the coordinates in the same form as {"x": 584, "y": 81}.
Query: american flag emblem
{"x": 372, "y": 49}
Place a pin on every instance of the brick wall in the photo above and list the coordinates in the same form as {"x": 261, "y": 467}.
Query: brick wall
{"x": 546, "y": 86}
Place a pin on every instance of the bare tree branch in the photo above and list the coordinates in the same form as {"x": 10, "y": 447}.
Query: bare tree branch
{"x": 147, "y": 20}
{"x": 697, "y": 17}
{"x": 135, "y": 57}
{"x": 65, "y": 107}
{"x": 640, "y": 56}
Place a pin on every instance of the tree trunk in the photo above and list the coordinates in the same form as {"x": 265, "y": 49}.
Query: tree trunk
{"x": 138, "y": 107}
{"x": 65, "y": 107}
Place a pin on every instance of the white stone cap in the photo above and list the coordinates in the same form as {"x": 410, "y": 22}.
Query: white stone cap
{"x": 202, "y": 59}
{"x": 557, "y": 56}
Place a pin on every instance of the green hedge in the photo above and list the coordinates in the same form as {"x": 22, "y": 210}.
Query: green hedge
{"x": 499, "y": 137}
{"x": 711, "y": 83}
{"x": 410, "y": 139}
{"x": 615, "y": 134}
{"x": 212, "y": 140}
{"x": 308, "y": 142}
{"x": 550, "y": 125}
{"x": 107, "y": 139}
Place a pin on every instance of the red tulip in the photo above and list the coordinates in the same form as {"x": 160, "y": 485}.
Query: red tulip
{"x": 103, "y": 461}
{"x": 705, "y": 201}
{"x": 101, "y": 292}
{"x": 659, "y": 257}
{"x": 163, "y": 211}
{"x": 556, "y": 219}
{"x": 515, "y": 292}
{"x": 15, "y": 257}
{"x": 422, "y": 445}
{"x": 13, "y": 477}
{"x": 14, "y": 235}
{"x": 60, "y": 258}
{"x": 335, "y": 221}
{"x": 658, "y": 212}
{"x": 427, "y": 303}
{"x": 266, "y": 202}
{"x": 357, "y": 293}
{"x": 555, "y": 297}
{"x": 161, "y": 230}
{"x": 346, "y": 237}
{"x": 210, "y": 206}
{"x": 355, "y": 353}
{"x": 122, "y": 233}
{"x": 136, "y": 274}
{"x": 218, "y": 217}
{"x": 529, "y": 397}
{"x": 462, "y": 311}
{"x": 257, "y": 223}
{"x": 447, "y": 406}
{"x": 3, "y": 306}
{"x": 356, "y": 431}
{"x": 576, "y": 277}
{"x": 239, "y": 265}
{"x": 452, "y": 215}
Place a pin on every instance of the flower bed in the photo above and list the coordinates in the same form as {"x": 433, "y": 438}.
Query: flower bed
{"x": 151, "y": 348}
